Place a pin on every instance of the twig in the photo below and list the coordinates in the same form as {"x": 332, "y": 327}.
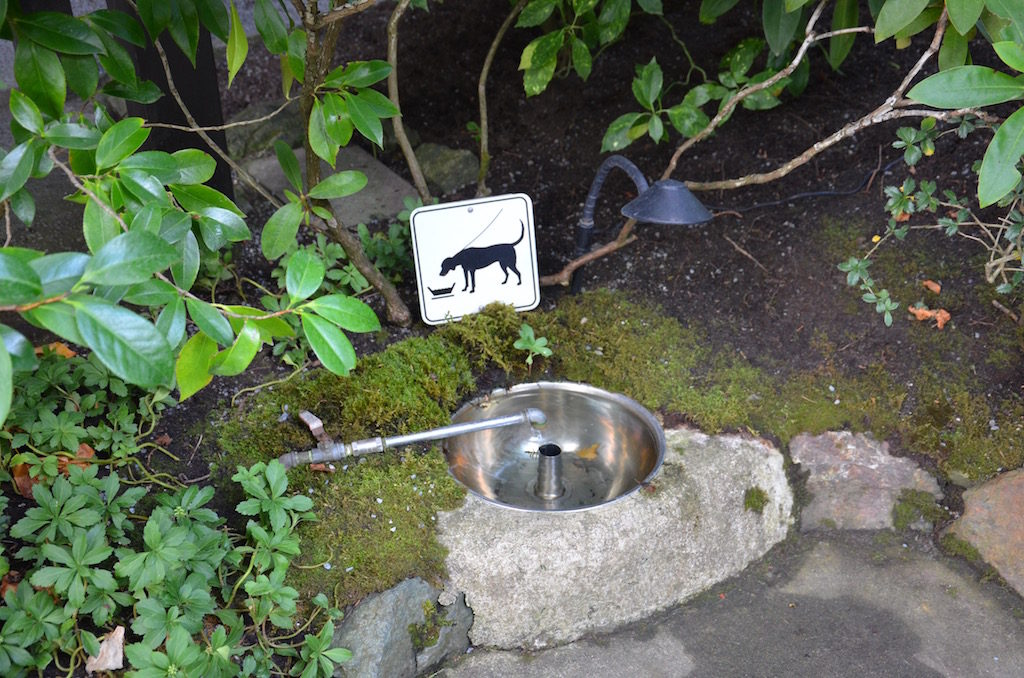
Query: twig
{"x": 481, "y": 93}
{"x": 747, "y": 254}
{"x": 7, "y": 223}
{"x": 340, "y": 13}
{"x": 563, "y": 276}
{"x": 1013, "y": 316}
{"x": 396, "y": 122}
{"x": 226, "y": 126}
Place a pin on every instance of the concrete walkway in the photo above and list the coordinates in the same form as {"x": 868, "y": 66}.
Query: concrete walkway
{"x": 824, "y": 603}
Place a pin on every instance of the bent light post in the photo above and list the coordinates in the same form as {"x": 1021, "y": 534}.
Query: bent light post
{"x": 666, "y": 202}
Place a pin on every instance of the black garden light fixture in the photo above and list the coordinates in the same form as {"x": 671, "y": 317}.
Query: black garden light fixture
{"x": 666, "y": 202}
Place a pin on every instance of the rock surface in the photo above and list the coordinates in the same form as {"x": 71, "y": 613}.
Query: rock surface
{"x": 854, "y": 480}
{"x": 452, "y": 640}
{"x": 991, "y": 522}
{"x": 539, "y": 579}
{"x": 447, "y": 169}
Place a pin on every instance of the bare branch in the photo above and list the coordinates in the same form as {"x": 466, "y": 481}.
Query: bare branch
{"x": 226, "y": 126}
{"x": 340, "y": 13}
{"x": 400, "y": 136}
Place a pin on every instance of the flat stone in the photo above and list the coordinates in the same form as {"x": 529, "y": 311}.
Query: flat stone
{"x": 991, "y": 523}
{"x": 377, "y": 632}
{"x": 382, "y": 197}
{"x": 447, "y": 169}
{"x": 452, "y": 640}
{"x": 537, "y": 579}
{"x": 854, "y": 480}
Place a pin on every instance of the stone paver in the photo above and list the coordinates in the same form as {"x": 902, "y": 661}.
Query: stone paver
{"x": 993, "y": 522}
{"x": 854, "y": 480}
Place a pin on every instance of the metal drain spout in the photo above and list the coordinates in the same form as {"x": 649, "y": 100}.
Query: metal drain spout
{"x": 549, "y": 472}
{"x": 339, "y": 451}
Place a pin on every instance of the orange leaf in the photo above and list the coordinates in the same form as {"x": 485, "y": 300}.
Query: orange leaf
{"x": 81, "y": 458}
{"x": 58, "y": 347}
{"x": 322, "y": 468}
{"x": 588, "y": 453}
{"x": 163, "y": 440}
{"x": 921, "y": 313}
{"x": 932, "y": 286}
{"x": 941, "y": 318}
{"x": 23, "y": 482}
{"x": 902, "y": 216}
{"x": 9, "y": 582}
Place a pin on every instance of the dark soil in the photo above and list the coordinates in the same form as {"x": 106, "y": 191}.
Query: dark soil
{"x": 761, "y": 281}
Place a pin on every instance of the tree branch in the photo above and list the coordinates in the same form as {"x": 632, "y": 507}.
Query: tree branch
{"x": 400, "y": 135}
{"x": 340, "y": 13}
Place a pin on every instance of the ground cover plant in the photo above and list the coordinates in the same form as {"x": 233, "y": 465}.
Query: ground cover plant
{"x": 750, "y": 331}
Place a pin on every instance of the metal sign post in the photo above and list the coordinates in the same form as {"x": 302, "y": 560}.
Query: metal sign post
{"x": 474, "y": 252}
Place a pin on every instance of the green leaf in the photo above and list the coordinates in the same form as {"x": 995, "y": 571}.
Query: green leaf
{"x": 320, "y": 141}
{"x": 16, "y": 168}
{"x": 238, "y": 45}
{"x": 118, "y": 24}
{"x": 1010, "y": 52}
{"x": 158, "y": 164}
{"x": 582, "y": 61}
{"x": 60, "y": 32}
{"x": 780, "y": 26}
{"x": 121, "y": 140}
{"x": 618, "y": 135}
{"x": 233, "y": 360}
{"x": 214, "y": 17}
{"x": 231, "y": 224}
{"x": 330, "y": 344}
{"x": 23, "y": 206}
{"x": 365, "y": 118}
{"x": 270, "y": 26}
{"x": 963, "y": 14}
{"x": 128, "y": 259}
{"x": 184, "y": 28}
{"x": 72, "y": 135}
{"x": 59, "y": 272}
{"x": 146, "y": 188}
{"x": 58, "y": 318}
{"x": 194, "y": 166}
{"x": 210, "y": 321}
{"x": 846, "y": 14}
{"x": 151, "y": 292}
{"x": 26, "y": 113}
{"x": 19, "y": 283}
{"x": 171, "y": 322}
{"x": 289, "y": 164}
{"x": 1013, "y": 11}
{"x": 186, "y": 270}
{"x": 647, "y": 85}
{"x": 40, "y": 75}
{"x": 896, "y": 15}
{"x": 81, "y": 73}
{"x": 125, "y": 343}
{"x": 19, "y": 349}
{"x": 304, "y": 275}
{"x": 536, "y": 12}
{"x": 348, "y": 313}
{"x": 358, "y": 74}
{"x": 953, "y": 51}
{"x": 269, "y": 328}
{"x": 710, "y": 10}
{"x": 612, "y": 20}
{"x": 296, "y": 56}
{"x": 999, "y": 175}
{"x": 339, "y": 185}
{"x": 143, "y": 91}
{"x": 967, "y": 86}
{"x": 193, "y": 366}
{"x": 99, "y": 226}
{"x": 536, "y": 78}
{"x": 688, "y": 120}
{"x": 280, "y": 230}
{"x": 199, "y": 197}
{"x": 650, "y": 6}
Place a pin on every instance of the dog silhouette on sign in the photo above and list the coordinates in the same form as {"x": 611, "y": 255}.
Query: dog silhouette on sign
{"x": 472, "y": 259}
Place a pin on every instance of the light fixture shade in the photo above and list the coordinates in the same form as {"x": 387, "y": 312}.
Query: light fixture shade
{"x": 667, "y": 202}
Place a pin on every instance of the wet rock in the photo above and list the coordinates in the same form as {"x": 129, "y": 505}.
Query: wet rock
{"x": 447, "y": 169}
{"x": 539, "y": 579}
{"x": 854, "y": 480}
{"x": 991, "y": 523}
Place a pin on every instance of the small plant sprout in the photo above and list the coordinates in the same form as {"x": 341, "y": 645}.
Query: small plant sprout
{"x": 532, "y": 344}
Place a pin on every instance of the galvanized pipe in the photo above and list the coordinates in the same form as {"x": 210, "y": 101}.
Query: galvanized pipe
{"x": 339, "y": 451}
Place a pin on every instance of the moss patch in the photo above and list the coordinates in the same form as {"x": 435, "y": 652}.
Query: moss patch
{"x": 914, "y": 505}
{"x": 755, "y": 499}
{"x": 426, "y": 634}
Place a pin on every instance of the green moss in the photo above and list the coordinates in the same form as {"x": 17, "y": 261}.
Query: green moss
{"x": 914, "y": 505}
{"x": 413, "y": 385}
{"x": 488, "y": 337}
{"x": 755, "y": 499}
{"x": 955, "y": 546}
{"x": 426, "y": 634}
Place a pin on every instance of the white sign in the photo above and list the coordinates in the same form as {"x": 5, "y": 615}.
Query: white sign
{"x": 474, "y": 252}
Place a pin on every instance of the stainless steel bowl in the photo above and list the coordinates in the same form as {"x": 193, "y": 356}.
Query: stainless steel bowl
{"x": 598, "y": 447}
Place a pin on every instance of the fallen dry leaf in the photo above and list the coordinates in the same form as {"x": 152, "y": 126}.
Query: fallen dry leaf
{"x": 163, "y": 440}
{"x": 941, "y": 318}
{"x": 931, "y": 286}
{"x": 111, "y": 656}
{"x": 921, "y": 313}
{"x": 902, "y": 216}
{"x": 588, "y": 453}
{"x": 9, "y": 582}
{"x": 81, "y": 458}
{"x": 23, "y": 482}
{"x": 58, "y": 347}
{"x": 322, "y": 468}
